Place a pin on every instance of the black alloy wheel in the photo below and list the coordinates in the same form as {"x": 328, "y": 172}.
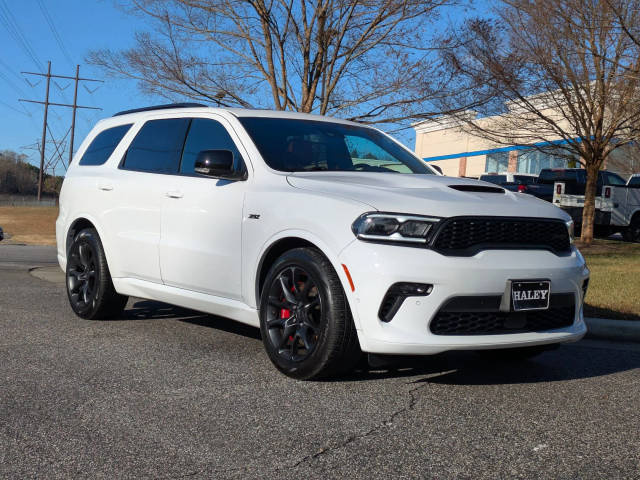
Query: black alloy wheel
{"x": 81, "y": 276}
{"x": 294, "y": 315}
{"x": 305, "y": 319}
{"x": 89, "y": 286}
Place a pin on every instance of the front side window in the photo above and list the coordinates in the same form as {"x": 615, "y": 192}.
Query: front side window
{"x": 292, "y": 145}
{"x": 634, "y": 182}
{"x": 103, "y": 145}
{"x": 158, "y": 146}
{"x": 205, "y": 134}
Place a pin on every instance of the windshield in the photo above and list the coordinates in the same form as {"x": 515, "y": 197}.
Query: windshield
{"x": 293, "y": 145}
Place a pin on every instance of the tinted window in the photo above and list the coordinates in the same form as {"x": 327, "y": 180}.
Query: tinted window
{"x": 524, "y": 179}
{"x": 293, "y": 145}
{"x": 101, "y": 148}
{"x": 207, "y": 135}
{"x": 157, "y": 146}
{"x": 634, "y": 182}
{"x": 613, "y": 179}
{"x": 560, "y": 175}
{"x": 497, "y": 179}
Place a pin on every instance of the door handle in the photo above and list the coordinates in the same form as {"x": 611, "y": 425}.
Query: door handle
{"x": 174, "y": 194}
{"x": 105, "y": 186}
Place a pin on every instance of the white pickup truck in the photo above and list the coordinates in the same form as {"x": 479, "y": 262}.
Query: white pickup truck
{"x": 617, "y": 208}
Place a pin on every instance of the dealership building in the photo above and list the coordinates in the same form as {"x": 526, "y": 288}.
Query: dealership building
{"x": 444, "y": 143}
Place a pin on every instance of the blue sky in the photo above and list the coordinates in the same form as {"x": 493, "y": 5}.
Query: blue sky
{"x": 28, "y": 41}
{"x": 82, "y": 25}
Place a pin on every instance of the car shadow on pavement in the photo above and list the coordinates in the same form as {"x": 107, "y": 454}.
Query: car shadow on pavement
{"x": 469, "y": 368}
{"x": 151, "y": 310}
{"x": 570, "y": 362}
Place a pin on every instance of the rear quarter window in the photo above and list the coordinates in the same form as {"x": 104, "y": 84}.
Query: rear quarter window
{"x": 103, "y": 145}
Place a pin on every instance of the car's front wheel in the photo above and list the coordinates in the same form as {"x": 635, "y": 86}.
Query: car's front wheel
{"x": 89, "y": 286}
{"x": 305, "y": 320}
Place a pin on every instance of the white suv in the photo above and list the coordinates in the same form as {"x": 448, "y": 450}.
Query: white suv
{"x": 330, "y": 236}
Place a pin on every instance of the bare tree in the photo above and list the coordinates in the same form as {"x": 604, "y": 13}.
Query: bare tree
{"x": 368, "y": 60}
{"x": 551, "y": 72}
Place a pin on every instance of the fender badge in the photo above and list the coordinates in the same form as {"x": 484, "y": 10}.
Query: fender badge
{"x": 254, "y": 216}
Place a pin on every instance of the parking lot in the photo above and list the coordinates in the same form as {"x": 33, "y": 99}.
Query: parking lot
{"x": 168, "y": 393}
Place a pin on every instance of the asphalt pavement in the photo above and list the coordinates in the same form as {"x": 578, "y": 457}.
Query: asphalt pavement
{"x": 165, "y": 392}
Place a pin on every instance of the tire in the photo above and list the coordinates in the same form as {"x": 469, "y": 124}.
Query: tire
{"x": 89, "y": 287}
{"x": 516, "y": 354}
{"x": 632, "y": 232}
{"x": 308, "y": 332}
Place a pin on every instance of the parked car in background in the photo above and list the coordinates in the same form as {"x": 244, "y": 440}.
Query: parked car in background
{"x": 328, "y": 235}
{"x": 634, "y": 181}
{"x": 1, "y": 234}
{"x": 515, "y": 182}
{"x": 574, "y": 179}
{"x": 617, "y": 205}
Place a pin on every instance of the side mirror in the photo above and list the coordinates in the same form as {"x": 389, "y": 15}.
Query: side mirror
{"x": 217, "y": 164}
{"x": 437, "y": 169}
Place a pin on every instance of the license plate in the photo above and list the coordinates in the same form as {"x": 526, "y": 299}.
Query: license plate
{"x": 530, "y": 295}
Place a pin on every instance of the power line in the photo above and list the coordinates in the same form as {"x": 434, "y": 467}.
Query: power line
{"x": 54, "y": 30}
{"x": 9, "y": 21}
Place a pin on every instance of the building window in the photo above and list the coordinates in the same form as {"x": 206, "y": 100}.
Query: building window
{"x": 497, "y": 162}
{"x": 532, "y": 161}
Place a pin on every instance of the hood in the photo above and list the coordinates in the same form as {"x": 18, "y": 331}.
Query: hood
{"x": 425, "y": 194}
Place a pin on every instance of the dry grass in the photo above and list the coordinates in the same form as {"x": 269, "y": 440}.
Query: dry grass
{"x": 614, "y": 288}
{"x": 30, "y": 225}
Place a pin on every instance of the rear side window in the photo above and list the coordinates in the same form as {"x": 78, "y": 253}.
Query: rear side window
{"x": 207, "y": 134}
{"x": 613, "y": 179}
{"x": 101, "y": 148}
{"x": 157, "y": 146}
{"x": 524, "y": 179}
{"x": 552, "y": 176}
{"x": 497, "y": 179}
{"x": 634, "y": 182}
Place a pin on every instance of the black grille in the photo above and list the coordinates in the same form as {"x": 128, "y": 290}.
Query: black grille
{"x": 465, "y": 236}
{"x": 450, "y": 321}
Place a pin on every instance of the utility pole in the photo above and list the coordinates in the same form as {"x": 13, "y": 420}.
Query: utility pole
{"x": 73, "y": 116}
{"x": 44, "y": 131}
{"x": 47, "y": 103}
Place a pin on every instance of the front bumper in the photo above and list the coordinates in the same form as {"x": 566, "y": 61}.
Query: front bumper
{"x": 374, "y": 268}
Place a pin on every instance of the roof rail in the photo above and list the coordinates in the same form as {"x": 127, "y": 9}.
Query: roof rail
{"x": 160, "y": 107}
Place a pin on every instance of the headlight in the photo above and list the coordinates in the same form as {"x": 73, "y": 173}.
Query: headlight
{"x": 393, "y": 227}
{"x": 570, "y": 229}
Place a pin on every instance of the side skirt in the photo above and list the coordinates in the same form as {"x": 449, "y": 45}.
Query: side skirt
{"x": 201, "y": 302}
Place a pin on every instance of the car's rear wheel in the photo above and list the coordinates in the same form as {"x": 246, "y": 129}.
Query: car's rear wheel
{"x": 305, "y": 320}
{"x": 89, "y": 286}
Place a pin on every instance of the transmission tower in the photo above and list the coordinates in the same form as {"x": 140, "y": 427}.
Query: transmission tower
{"x": 47, "y": 103}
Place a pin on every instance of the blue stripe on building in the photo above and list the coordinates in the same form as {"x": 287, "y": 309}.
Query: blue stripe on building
{"x": 495, "y": 150}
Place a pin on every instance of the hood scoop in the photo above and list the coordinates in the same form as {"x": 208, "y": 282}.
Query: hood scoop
{"x": 477, "y": 188}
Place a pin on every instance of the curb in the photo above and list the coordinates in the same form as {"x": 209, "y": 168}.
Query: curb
{"x": 621, "y": 330}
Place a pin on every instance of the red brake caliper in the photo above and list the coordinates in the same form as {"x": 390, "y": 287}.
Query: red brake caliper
{"x": 284, "y": 314}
